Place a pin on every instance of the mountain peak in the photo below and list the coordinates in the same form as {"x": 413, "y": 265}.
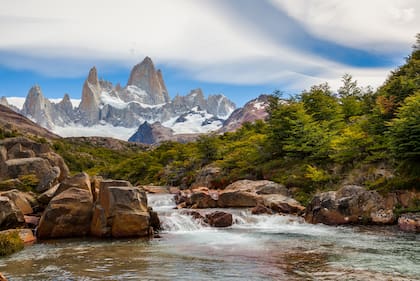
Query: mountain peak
{"x": 38, "y": 107}
{"x": 93, "y": 76}
{"x": 145, "y": 77}
{"x": 89, "y": 106}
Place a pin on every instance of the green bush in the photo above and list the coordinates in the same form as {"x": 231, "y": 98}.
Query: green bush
{"x": 10, "y": 243}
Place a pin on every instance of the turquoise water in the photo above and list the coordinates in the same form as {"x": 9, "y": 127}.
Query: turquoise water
{"x": 255, "y": 248}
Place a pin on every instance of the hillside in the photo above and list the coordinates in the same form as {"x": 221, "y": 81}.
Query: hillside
{"x": 13, "y": 123}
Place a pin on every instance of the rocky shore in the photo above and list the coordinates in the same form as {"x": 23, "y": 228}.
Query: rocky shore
{"x": 38, "y": 193}
{"x": 38, "y": 198}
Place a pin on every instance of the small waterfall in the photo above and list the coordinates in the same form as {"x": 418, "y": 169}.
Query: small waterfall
{"x": 172, "y": 220}
{"x": 161, "y": 202}
{"x": 178, "y": 222}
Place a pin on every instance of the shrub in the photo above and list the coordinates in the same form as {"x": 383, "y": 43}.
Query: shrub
{"x": 10, "y": 243}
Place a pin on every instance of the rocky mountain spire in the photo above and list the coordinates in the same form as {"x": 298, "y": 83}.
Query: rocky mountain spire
{"x": 38, "y": 107}
{"x": 89, "y": 106}
{"x": 145, "y": 77}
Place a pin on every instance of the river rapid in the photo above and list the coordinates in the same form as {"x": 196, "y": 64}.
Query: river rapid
{"x": 256, "y": 247}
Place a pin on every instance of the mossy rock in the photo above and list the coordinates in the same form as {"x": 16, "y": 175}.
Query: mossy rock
{"x": 24, "y": 183}
{"x": 12, "y": 184}
{"x": 10, "y": 242}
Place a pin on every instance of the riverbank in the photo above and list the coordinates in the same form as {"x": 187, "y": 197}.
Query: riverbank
{"x": 258, "y": 247}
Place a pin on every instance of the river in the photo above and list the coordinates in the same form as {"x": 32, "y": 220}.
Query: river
{"x": 256, "y": 247}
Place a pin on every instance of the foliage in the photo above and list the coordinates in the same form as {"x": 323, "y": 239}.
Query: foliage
{"x": 405, "y": 129}
{"x": 10, "y": 243}
{"x": 82, "y": 155}
{"x": 5, "y": 133}
{"x": 29, "y": 182}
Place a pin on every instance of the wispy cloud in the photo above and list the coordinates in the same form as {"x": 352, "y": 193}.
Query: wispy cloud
{"x": 241, "y": 42}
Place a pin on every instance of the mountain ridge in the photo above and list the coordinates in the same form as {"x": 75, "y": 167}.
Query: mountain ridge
{"x": 144, "y": 98}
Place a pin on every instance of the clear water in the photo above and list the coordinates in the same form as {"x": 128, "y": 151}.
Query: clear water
{"x": 254, "y": 248}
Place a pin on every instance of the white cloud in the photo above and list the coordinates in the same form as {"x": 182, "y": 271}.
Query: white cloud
{"x": 64, "y": 38}
{"x": 372, "y": 25}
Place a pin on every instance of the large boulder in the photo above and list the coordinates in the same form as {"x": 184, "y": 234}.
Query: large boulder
{"x": 282, "y": 204}
{"x": 350, "y": 204}
{"x": 25, "y": 234}
{"x": 121, "y": 211}
{"x": 409, "y": 222}
{"x": 68, "y": 214}
{"x": 46, "y": 174}
{"x": 45, "y": 197}
{"x": 237, "y": 199}
{"x": 203, "y": 198}
{"x": 241, "y": 194}
{"x": 23, "y": 157}
{"x": 258, "y": 187}
{"x": 402, "y": 198}
{"x": 10, "y": 215}
{"x": 219, "y": 219}
{"x": 81, "y": 181}
{"x": 20, "y": 200}
{"x": 12, "y": 184}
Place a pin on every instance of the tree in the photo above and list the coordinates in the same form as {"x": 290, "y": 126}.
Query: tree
{"x": 208, "y": 148}
{"x": 351, "y": 97}
{"x": 321, "y": 103}
{"x": 402, "y": 82}
{"x": 294, "y": 133}
{"x": 405, "y": 129}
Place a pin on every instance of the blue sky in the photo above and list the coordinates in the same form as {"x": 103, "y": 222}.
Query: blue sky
{"x": 241, "y": 48}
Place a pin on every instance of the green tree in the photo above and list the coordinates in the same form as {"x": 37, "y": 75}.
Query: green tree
{"x": 321, "y": 103}
{"x": 207, "y": 148}
{"x": 294, "y": 133}
{"x": 351, "y": 97}
{"x": 402, "y": 82}
{"x": 405, "y": 129}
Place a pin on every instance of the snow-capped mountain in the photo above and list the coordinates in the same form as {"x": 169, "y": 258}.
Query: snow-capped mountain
{"x": 253, "y": 110}
{"x": 107, "y": 110}
{"x": 179, "y": 129}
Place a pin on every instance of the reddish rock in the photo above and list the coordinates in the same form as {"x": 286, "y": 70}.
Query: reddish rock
{"x": 237, "y": 199}
{"x": 155, "y": 189}
{"x": 2, "y": 278}
{"x": 202, "y": 199}
{"x": 19, "y": 199}
{"x": 261, "y": 209}
{"x": 68, "y": 215}
{"x": 26, "y": 235}
{"x": 383, "y": 217}
{"x": 47, "y": 195}
{"x": 10, "y": 215}
{"x": 121, "y": 211}
{"x": 259, "y": 187}
{"x": 219, "y": 219}
{"x": 350, "y": 204}
{"x": 282, "y": 204}
{"x": 81, "y": 181}
{"x": 195, "y": 215}
{"x": 31, "y": 221}
{"x": 409, "y": 222}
